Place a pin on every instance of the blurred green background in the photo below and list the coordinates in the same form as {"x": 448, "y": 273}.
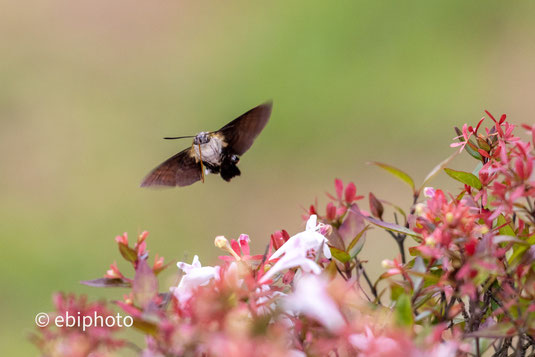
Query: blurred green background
{"x": 88, "y": 90}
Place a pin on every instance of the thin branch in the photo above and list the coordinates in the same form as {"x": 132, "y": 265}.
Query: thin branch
{"x": 360, "y": 268}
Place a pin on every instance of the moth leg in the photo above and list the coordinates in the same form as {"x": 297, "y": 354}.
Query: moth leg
{"x": 202, "y": 166}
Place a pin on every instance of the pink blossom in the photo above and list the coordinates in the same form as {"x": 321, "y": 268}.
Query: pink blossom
{"x": 429, "y": 192}
{"x": 466, "y": 134}
{"x": 371, "y": 345}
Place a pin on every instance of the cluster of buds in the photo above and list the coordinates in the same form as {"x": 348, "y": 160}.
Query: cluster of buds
{"x": 338, "y": 204}
{"x": 133, "y": 255}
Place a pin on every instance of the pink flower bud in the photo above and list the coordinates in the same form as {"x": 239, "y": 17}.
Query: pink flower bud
{"x": 331, "y": 211}
{"x": 221, "y": 242}
{"x": 142, "y": 236}
{"x": 158, "y": 264}
{"x": 351, "y": 193}
{"x": 244, "y": 243}
{"x": 122, "y": 239}
{"x": 339, "y": 186}
{"x": 113, "y": 272}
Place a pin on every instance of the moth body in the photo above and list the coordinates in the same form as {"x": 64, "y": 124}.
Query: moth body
{"x": 210, "y": 146}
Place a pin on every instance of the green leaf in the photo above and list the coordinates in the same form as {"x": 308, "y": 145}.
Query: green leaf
{"x": 127, "y": 253}
{"x": 403, "y": 311}
{"x": 146, "y": 327}
{"x": 482, "y": 143}
{"x": 508, "y": 239}
{"x": 394, "y": 227}
{"x": 520, "y": 250}
{"x": 395, "y": 291}
{"x": 473, "y": 153}
{"x": 357, "y": 248}
{"x": 464, "y": 177}
{"x": 353, "y": 252}
{"x": 506, "y": 230}
{"x": 422, "y": 299}
{"x": 340, "y": 255}
{"x": 415, "y": 252}
{"x": 467, "y": 147}
{"x": 498, "y": 330}
{"x": 396, "y": 172}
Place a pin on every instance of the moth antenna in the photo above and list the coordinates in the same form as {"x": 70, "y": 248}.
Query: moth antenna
{"x": 179, "y": 137}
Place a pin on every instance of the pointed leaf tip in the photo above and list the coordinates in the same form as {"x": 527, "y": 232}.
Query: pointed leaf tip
{"x": 464, "y": 177}
{"x": 396, "y": 172}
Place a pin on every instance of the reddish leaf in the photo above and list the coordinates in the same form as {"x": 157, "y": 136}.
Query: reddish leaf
{"x": 376, "y": 207}
{"x": 394, "y": 227}
{"x": 353, "y": 224}
{"x": 483, "y": 153}
{"x": 145, "y": 285}
{"x": 106, "y": 283}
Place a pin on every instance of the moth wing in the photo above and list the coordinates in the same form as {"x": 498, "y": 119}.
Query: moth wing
{"x": 240, "y": 133}
{"x": 179, "y": 170}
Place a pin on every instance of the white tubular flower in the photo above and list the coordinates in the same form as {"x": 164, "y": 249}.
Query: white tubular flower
{"x": 311, "y": 299}
{"x": 268, "y": 296}
{"x": 195, "y": 275}
{"x": 294, "y": 252}
{"x": 310, "y": 239}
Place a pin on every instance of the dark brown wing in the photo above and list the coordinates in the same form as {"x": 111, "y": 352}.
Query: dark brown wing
{"x": 179, "y": 170}
{"x": 241, "y": 132}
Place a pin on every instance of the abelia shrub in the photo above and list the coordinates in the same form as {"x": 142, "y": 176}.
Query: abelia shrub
{"x": 463, "y": 283}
